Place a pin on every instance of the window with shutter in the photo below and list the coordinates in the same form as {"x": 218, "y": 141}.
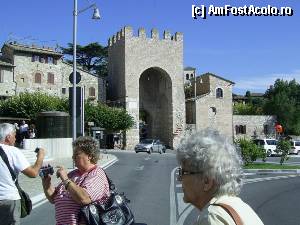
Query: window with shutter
{"x": 237, "y": 130}
{"x": 244, "y": 129}
{"x": 50, "y": 78}
{"x": 92, "y": 92}
{"x": 38, "y": 78}
{"x": 1, "y": 76}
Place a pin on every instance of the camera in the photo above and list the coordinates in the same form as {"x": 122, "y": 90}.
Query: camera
{"x": 37, "y": 150}
{"x": 46, "y": 170}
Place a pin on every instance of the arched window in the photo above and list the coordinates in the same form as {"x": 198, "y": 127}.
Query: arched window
{"x": 219, "y": 93}
{"x": 187, "y": 76}
{"x": 38, "y": 78}
{"x": 92, "y": 92}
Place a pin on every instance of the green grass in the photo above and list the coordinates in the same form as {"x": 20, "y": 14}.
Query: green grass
{"x": 269, "y": 166}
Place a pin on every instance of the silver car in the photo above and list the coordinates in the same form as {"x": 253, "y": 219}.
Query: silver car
{"x": 150, "y": 145}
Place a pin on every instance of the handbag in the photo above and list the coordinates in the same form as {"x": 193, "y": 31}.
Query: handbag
{"x": 115, "y": 211}
{"x": 26, "y": 204}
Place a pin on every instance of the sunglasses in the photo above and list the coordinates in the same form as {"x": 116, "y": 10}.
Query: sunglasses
{"x": 182, "y": 172}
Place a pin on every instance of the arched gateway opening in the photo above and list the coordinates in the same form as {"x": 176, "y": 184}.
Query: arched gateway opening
{"x": 155, "y": 105}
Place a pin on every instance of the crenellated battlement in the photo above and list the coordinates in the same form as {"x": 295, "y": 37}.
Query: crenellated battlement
{"x": 127, "y": 33}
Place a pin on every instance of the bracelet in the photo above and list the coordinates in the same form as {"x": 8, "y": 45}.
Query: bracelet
{"x": 66, "y": 183}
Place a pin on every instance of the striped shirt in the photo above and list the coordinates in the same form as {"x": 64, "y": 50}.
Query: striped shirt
{"x": 94, "y": 182}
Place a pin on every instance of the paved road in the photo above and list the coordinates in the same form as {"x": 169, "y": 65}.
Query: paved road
{"x": 156, "y": 197}
{"x": 293, "y": 160}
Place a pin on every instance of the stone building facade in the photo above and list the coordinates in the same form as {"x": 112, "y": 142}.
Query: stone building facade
{"x": 30, "y": 68}
{"x": 254, "y": 126}
{"x": 145, "y": 74}
{"x": 212, "y": 106}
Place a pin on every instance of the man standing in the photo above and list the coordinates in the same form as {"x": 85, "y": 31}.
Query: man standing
{"x": 10, "y": 206}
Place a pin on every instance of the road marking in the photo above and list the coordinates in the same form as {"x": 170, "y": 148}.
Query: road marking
{"x": 139, "y": 168}
{"x": 173, "y": 218}
{"x": 147, "y": 158}
{"x": 254, "y": 180}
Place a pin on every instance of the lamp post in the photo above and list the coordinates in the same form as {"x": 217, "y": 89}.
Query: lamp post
{"x": 96, "y": 15}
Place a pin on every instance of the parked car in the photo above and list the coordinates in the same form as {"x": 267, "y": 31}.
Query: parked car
{"x": 150, "y": 145}
{"x": 295, "y": 147}
{"x": 268, "y": 144}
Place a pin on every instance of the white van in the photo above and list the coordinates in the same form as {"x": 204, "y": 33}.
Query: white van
{"x": 295, "y": 147}
{"x": 268, "y": 144}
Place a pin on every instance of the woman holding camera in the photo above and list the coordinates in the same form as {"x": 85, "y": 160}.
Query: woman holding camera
{"x": 86, "y": 184}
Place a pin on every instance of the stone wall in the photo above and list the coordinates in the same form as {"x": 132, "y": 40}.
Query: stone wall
{"x": 129, "y": 57}
{"x": 255, "y": 126}
{"x": 7, "y": 87}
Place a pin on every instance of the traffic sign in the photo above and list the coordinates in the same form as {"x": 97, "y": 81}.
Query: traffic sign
{"x": 78, "y": 77}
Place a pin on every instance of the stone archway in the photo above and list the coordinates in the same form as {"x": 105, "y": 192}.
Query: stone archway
{"x": 155, "y": 98}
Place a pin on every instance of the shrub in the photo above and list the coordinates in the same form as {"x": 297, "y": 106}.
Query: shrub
{"x": 283, "y": 147}
{"x": 27, "y": 105}
{"x": 250, "y": 151}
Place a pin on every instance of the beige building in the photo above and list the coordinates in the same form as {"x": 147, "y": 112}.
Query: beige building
{"x": 31, "y": 68}
{"x": 212, "y": 106}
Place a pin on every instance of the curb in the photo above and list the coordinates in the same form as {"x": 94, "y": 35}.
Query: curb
{"x": 272, "y": 171}
{"x": 40, "y": 199}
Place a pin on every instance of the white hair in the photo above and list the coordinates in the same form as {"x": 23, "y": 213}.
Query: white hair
{"x": 208, "y": 152}
{"x": 6, "y": 129}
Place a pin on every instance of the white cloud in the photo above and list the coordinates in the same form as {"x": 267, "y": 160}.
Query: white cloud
{"x": 262, "y": 83}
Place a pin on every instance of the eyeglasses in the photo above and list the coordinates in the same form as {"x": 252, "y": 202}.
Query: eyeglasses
{"x": 182, "y": 172}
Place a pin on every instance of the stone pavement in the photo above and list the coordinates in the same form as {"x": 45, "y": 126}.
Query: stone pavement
{"x": 33, "y": 186}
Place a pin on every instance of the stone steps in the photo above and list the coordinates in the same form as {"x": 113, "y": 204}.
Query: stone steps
{"x": 30, "y": 155}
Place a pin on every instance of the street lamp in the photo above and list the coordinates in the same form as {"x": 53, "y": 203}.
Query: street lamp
{"x": 96, "y": 15}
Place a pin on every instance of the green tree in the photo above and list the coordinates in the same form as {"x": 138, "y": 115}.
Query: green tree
{"x": 27, "y": 105}
{"x": 249, "y": 97}
{"x": 246, "y": 109}
{"x": 283, "y": 147}
{"x": 112, "y": 119}
{"x": 92, "y": 57}
{"x": 250, "y": 151}
{"x": 283, "y": 100}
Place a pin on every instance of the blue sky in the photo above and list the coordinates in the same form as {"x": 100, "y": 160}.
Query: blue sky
{"x": 250, "y": 51}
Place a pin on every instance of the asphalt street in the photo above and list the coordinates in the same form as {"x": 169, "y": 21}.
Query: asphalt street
{"x": 156, "y": 197}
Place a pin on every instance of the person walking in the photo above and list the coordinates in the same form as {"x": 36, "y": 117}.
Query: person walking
{"x": 86, "y": 184}
{"x": 211, "y": 175}
{"x": 10, "y": 206}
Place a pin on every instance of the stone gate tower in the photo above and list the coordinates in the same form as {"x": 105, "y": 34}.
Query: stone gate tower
{"x": 146, "y": 75}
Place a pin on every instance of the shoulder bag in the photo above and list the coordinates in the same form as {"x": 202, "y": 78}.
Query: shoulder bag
{"x": 26, "y": 204}
{"x": 234, "y": 215}
{"x": 114, "y": 212}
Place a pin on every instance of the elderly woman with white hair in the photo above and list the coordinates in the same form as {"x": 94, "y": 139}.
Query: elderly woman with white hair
{"x": 211, "y": 175}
